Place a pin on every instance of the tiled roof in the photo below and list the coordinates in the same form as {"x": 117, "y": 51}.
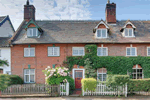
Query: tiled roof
{"x": 2, "y": 18}
{"x": 4, "y": 41}
{"x": 81, "y": 31}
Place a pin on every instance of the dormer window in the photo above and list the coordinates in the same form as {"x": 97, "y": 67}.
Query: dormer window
{"x": 129, "y": 32}
{"x": 101, "y": 33}
{"x": 128, "y": 29}
{"x": 32, "y": 32}
{"x": 101, "y": 30}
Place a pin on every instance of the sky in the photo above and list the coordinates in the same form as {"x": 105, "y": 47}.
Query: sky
{"x": 75, "y": 9}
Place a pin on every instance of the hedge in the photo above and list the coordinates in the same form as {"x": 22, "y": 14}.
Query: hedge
{"x": 7, "y": 80}
{"x": 117, "y": 80}
{"x": 139, "y": 85}
{"x": 14, "y": 79}
{"x": 89, "y": 84}
{"x": 4, "y": 81}
{"x": 58, "y": 80}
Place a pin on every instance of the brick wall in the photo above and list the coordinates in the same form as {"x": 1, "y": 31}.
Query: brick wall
{"x": 41, "y": 59}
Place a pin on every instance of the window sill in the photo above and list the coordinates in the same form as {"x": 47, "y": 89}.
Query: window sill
{"x": 28, "y": 56}
{"x": 131, "y": 56}
{"x": 102, "y": 56}
{"x": 77, "y": 55}
{"x": 53, "y": 56}
{"x": 29, "y": 82}
{"x": 101, "y": 37}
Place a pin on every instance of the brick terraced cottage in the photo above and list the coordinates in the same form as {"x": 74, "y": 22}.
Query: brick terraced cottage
{"x": 41, "y": 43}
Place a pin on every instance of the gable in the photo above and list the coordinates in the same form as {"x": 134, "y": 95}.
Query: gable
{"x": 101, "y": 26}
{"x": 31, "y": 25}
{"x": 129, "y": 24}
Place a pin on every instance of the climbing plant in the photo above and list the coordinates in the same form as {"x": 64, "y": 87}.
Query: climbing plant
{"x": 114, "y": 64}
{"x": 3, "y": 62}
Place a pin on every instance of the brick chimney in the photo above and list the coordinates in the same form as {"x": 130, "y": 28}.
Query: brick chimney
{"x": 29, "y": 11}
{"x": 110, "y": 13}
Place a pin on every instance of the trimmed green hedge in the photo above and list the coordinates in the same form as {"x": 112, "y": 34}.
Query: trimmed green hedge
{"x": 117, "y": 80}
{"x": 14, "y": 79}
{"x": 7, "y": 80}
{"x": 4, "y": 81}
{"x": 139, "y": 85}
{"x": 89, "y": 84}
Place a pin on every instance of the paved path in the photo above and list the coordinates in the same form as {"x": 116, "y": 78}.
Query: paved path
{"x": 81, "y": 98}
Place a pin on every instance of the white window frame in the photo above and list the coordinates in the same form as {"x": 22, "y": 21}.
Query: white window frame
{"x": 32, "y": 32}
{"x": 136, "y": 71}
{"x": 128, "y": 32}
{"x": 78, "y": 50}
{"x": 58, "y": 53}
{"x": 102, "y": 75}
{"x": 102, "y": 51}
{"x": 130, "y": 51}
{"x": 29, "y": 52}
{"x": 101, "y": 33}
{"x": 29, "y": 76}
{"x": 147, "y": 51}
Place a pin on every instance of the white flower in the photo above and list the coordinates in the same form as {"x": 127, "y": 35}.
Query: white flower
{"x": 45, "y": 68}
{"x": 54, "y": 74}
{"x": 48, "y": 67}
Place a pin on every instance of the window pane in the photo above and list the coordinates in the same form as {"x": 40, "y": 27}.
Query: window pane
{"x": 104, "y": 77}
{"x": 31, "y": 78}
{"x": 99, "y": 53}
{"x": 75, "y": 52}
{"x": 26, "y": 52}
{"x": 134, "y": 76}
{"x": 50, "y": 51}
{"x": 104, "y": 51}
{"x": 31, "y": 71}
{"x": 133, "y": 51}
{"x": 148, "y": 51}
{"x": 126, "y": 32}
{"x": 34, "y": 31}
{"x": 128, "y": 51}
{"x": 103, "y": 33}
{"x": 130, "y": 32}
{"x": 26, "y": 71}
{"x": 81, "y": 52}
{"x": 32, "y": 51}
{"x": 100, "y": 77}
{"x": 30, "y": 32}
{"x": 98, "y": 33}
{"x": 55, "y": 51}
{"x": 26, "y": 78}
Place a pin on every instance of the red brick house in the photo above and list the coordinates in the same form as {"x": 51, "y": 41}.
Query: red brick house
{"x": 41, "y": 43}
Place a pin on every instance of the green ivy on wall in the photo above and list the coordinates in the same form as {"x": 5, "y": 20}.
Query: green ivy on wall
{"x": 113, "y": 64}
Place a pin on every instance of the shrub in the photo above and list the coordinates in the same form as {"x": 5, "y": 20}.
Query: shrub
{"x": 89, "y": 84}
{"x": 4, "y": 81}
{"x": 139, "y": 85}
{"x": 15, "y": 79}
{"x": 117, "y": 80}
{"x": 59, "y": 75}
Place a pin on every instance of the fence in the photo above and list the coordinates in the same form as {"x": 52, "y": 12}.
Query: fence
{"x": 25, "y": 89}
{"x": 102, "y": 89}
{"x": 64, "y": 89}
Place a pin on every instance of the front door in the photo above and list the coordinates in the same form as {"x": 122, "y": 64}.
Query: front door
{"x": 78, "y": 78}
{"x": 1, "y": 71}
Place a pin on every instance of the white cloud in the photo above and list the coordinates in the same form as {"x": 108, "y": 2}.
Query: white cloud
{"x": 46, "y": 9}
